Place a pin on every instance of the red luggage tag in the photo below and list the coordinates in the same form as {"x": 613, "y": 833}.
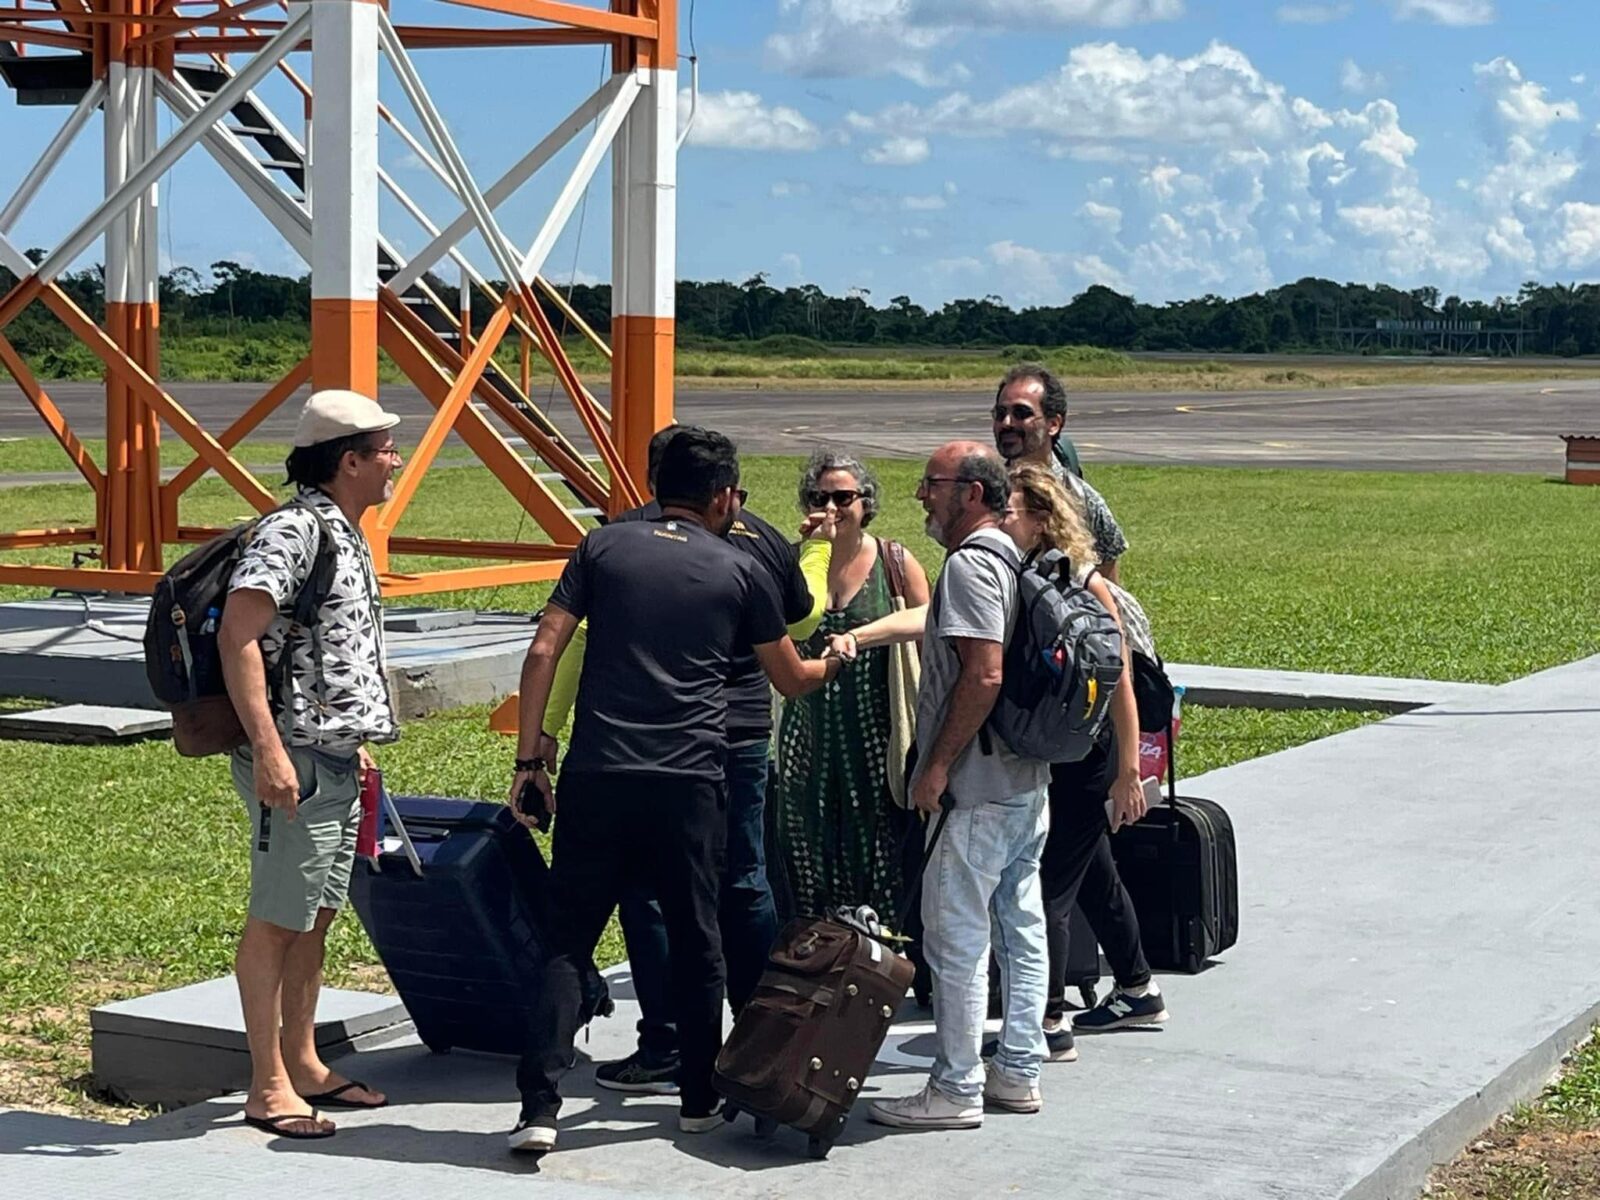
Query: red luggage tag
{"x": 371, "y": 801}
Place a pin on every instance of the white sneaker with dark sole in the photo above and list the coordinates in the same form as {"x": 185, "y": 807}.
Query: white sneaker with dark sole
{"x": 533, "y": 1137}
{"x": 1008, "y": 1094}
{"x": 928, "y": 1109}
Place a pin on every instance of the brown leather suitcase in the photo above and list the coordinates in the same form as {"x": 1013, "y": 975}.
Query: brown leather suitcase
{"x": 802, "y": 1047}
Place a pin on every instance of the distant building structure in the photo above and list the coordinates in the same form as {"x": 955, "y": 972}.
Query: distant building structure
{"x": 1432, "y": 335}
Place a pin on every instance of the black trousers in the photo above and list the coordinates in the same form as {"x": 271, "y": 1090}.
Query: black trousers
{"x": 1077, "y": 868}
{"x": 612, "y": 829}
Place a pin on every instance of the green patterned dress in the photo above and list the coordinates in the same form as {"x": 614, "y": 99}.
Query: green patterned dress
{"x": 838, "y": 833}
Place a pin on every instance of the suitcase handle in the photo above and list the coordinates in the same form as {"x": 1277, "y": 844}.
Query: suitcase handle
{"x": 400, "y": 828}
{"x": 1172, "y": 765}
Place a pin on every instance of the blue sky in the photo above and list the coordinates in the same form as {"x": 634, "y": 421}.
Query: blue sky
{"x": 1029, "y": 148}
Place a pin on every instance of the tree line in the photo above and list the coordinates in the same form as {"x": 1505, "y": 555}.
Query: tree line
{"x": 1557, "y": 319}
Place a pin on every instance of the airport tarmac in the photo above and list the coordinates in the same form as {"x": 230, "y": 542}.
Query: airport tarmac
{"x": 1499, "y": 426}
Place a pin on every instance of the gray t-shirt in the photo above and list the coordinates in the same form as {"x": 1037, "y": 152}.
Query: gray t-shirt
{"x": 976, "y": 597}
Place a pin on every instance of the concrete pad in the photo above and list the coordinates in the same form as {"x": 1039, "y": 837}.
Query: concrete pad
{"x": 86, "y": 723}
{"x": 188, "y": 1044}
{"x": 1401, "y": 884}
{"x": 1247, "y": 687}
{"x": 92, "y": 652}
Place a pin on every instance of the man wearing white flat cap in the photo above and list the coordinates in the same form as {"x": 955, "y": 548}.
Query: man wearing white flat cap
{"x": 300, "y": 774}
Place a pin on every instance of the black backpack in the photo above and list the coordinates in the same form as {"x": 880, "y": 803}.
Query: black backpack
{"x": 1061, "y": 666}
{"x": 181, "y": 657}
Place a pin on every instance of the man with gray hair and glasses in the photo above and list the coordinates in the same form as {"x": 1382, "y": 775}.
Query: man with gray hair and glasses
{"x": 985, "y": 869}
{"x": 1030, "y": 411}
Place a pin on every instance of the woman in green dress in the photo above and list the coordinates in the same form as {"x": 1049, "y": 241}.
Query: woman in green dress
{"x": 837, "y": 830}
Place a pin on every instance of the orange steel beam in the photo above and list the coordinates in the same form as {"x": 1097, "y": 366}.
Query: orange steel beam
{"x": 624, "y": 494}
{"x": 46, "y": 408}
{"x": 575, "y": 15}
{"x": 100, "y": 579}
{"x": 146, "y": 389}
{"x": 445, "y": 418}
{"x": 228, "y": 15}
{"x": 47, "y": 37}
{"x": 513, "y": 472}
{"x": 30, "y": 539}
{"x": 460, "y": 548}
{"x": 560, "y": 457}
{"x": 298, "y": 376}
{"x": 395, "y": 584}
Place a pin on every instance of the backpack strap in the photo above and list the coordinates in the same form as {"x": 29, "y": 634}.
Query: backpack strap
{"x": 1067, "y": 454}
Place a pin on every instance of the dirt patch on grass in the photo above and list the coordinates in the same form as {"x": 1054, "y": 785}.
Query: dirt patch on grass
{"x": 1533, "y": 1165}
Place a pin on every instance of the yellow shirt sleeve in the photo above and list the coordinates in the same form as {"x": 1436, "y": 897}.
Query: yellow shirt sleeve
{"x": 816, "y": 555}
{"x": 564, "y": 687}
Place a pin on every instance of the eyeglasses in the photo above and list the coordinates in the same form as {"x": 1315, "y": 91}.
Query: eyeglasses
{"x": 841, "y": 497}
{"x": 925, "y": 484}
{"x": 742, "y": 495}
{"x": 1017, "y": 412}
{"x": 389, "y": 451}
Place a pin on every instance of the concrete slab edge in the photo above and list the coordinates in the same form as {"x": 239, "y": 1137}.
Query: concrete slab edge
{"x": 1405, "y": 1172}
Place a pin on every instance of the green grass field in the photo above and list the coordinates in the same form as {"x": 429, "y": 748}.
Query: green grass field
{"x": 125, "y": 868}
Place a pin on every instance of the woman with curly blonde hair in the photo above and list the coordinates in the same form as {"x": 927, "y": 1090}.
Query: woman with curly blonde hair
{"x": 1091, "y": 798}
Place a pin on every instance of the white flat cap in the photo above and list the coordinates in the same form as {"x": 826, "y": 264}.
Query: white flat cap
{"x": 335, "y": 414}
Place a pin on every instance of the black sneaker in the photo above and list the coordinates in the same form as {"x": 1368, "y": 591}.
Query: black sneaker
{"x": 1059, "y": 1046}
{"x": 1120, "y": 1010}
{"x": 533, "y": 1135}
{"x": 640, "y": 1075}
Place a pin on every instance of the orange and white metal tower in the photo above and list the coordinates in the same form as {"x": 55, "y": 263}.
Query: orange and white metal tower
{"x": 320, "y": 190}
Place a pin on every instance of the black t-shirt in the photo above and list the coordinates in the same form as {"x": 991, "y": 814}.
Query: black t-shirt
{"x": 669, "y": 606}
{"x": 749, "y": 694}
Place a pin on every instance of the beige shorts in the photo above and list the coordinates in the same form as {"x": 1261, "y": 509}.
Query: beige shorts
{"x": 300, "y": 866}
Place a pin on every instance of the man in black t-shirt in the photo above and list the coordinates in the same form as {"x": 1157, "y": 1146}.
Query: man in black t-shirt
{"x": 747, "y": 916}
{"x": 669, "y": 604}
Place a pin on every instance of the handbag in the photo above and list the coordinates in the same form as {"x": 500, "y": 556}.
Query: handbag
{"x": 905, "y": 679}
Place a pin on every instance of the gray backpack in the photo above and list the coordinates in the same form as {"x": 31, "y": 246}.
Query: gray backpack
{"x": 1061, "y": 668}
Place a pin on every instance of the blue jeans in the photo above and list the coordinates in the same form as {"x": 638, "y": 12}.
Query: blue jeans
{"x": 983, "y": 886}
{"x": 745, "y": 912}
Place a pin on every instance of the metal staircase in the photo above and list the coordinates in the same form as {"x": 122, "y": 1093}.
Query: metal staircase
{"x": 64, "y": 79}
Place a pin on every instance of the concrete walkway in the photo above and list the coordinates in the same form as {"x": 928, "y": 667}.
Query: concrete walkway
{"x": 1420, "y": 945}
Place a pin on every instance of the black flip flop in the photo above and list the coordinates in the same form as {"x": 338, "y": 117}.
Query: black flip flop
{"x": 275, "y": 1126}
{"x": 335, "y": 1097}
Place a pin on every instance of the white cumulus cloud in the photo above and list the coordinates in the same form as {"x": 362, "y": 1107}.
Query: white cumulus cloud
{"x": 1312, "y": 14}
{"x": 741, "y": 121}
{"x": 898, "y": 151}
{"x": 1446, "y": 12}
{"x": 916, "y": 38}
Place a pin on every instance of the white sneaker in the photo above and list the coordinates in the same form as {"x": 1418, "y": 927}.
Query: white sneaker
{"x": 706, "y": 1124}
{"x": 1011, "y": 1095}
{"x": 928, "y": 1109}
{"x": 533, "y": 1137}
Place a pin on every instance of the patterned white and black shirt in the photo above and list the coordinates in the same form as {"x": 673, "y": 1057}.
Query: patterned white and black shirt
{"x": 353, "y": 704}
{"x": 1109, "y": 541}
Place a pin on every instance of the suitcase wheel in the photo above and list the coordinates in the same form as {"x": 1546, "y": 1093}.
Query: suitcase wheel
{"x": 730, "y": 1111}
{"x": 766, "y": 1127}
{"x": 818, "y": 1147}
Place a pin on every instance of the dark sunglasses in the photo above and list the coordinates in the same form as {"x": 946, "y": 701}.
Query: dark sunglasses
{"x": 1017, "y": 412}
{"x": 744, "y": 496}
{"x": 842, "y": 498}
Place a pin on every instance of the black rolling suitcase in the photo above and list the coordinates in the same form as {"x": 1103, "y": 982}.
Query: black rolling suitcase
{"x": 460, "y": 924}
{"x": 1180, "y": 867}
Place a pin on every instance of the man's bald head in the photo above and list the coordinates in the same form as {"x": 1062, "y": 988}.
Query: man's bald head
{"x": 964, "y": 488}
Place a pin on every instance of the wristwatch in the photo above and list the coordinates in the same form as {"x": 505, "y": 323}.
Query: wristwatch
{"x": 536, "y": 763}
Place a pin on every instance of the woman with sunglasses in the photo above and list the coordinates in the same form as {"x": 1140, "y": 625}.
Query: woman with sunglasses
{"x": 837, "y": 830}
{"x": 1092, "y": 798}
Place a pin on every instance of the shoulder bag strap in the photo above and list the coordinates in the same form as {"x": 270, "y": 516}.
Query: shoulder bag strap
{"x": 893, "y": 555}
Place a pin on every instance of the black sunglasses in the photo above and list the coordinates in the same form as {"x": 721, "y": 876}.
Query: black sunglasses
{"x": 744, "y": 496}
{"x": 841, "y": 497}
{"x": 1017, "y": 412}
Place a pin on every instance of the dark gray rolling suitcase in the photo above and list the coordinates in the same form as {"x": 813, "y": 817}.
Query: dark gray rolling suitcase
{"x": 1180, "y": 866}
{"x": 461, "y": 927}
